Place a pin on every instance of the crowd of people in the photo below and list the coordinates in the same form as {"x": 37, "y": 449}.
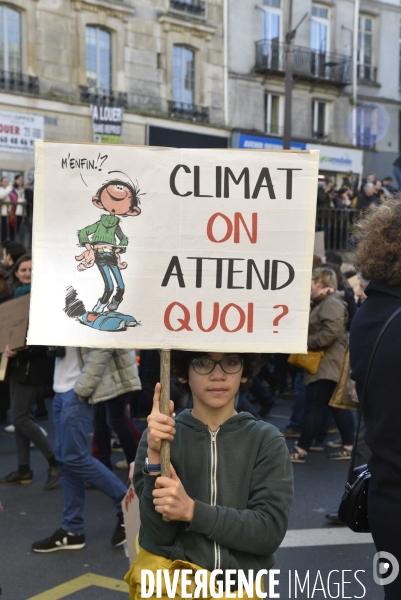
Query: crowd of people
{"x": 111, "y": 380}
{"x": 369, "y": 193}
{"x": 16, "y": 206}
{"x": 229, "y": 397}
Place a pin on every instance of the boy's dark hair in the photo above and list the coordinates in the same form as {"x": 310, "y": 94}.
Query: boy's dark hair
{"x": 15, "y": 250}
{"x": 181, "y": 360}
{"x": 135, "y": 201}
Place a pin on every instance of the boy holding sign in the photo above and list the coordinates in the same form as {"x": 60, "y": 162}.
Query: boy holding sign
{"x": 229, "y": 494}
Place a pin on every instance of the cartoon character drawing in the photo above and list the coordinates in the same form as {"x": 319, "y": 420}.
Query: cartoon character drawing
{"x": 104, "y": 241}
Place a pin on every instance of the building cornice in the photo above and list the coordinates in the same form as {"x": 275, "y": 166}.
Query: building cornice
{"x": 200, "y": 30}
{"x": 112, "y": 8}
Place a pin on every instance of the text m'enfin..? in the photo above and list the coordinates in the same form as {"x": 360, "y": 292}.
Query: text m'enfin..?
{"x": 245, "y": 271}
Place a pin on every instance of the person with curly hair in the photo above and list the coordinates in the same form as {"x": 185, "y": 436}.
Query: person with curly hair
{"x": 378, "y": 257}
{"x": 229, "y": 493}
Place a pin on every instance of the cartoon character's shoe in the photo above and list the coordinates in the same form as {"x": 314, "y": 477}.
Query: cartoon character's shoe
{"x": 108, "y": 321}
{"x": 114, "y": 304}
{"x": 99, "y": 307}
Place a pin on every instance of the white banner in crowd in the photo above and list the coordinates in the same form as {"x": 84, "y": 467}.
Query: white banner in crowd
{"x": 141, "y": 247}
{"x": 18, "y": 131}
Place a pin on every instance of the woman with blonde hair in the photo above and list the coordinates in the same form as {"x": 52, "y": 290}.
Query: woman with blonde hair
{"x": 327, "y": 321}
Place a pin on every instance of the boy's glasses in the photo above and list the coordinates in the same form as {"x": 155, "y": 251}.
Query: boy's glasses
{"x": 204, "y": 366}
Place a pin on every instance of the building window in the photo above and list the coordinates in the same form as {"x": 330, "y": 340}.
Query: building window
{"x": 183, "y": 75}
{"x": 98, "y": 59}
{"x": 319, "y": 40}
{"x": 273, "y": 3}
{"x": 399, "y": 57}
{"x": 319, "y": 32}
{"x": 367, "y": 125}
{"x": 319, "y": 119}
{"x": 272, "y": 21}
{"x": 365, "y": 49}
{"x": 10, "y": 40}
{"x": 193, "y": 7}
{"x": 274, "y": 114}
{"x": 272, "y": 34}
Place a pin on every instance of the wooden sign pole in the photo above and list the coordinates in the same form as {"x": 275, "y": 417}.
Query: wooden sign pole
{"x": 165, "y": 410}
{"x": 3, "y": 367}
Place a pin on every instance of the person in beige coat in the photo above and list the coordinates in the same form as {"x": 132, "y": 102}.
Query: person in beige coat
{"x": 327, "y": 321}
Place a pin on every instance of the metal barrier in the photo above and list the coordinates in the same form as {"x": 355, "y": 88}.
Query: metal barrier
{"x": 337, "y": 224}
{"x": 16, "y": 225}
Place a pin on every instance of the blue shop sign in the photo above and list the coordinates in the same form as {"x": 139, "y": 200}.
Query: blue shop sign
{"x": 254, "y": 142}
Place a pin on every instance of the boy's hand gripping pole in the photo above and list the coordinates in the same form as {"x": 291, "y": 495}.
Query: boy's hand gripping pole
{"x": 165, "y": 410}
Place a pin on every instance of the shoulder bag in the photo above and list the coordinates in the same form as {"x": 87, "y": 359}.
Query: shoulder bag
{"x": 353, "y": 509}
{"x": 310, "y": 361}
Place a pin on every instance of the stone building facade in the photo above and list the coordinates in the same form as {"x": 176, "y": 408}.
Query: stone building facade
{"x": 322, "y": 92}
{"x": 161, "y": 59}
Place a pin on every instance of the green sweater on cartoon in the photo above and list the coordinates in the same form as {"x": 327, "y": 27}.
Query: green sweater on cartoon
{"x": 104, "y": 231}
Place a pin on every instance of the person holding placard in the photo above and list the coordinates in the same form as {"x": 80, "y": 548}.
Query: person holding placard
{"x": 231, "y": 485}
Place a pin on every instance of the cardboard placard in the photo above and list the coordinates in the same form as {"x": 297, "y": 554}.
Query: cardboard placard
{"x": 130, "y": 506}
{"x": 319, "y": 249}
{"x": 14, "y": 315}
{"x": 172, "y": 248}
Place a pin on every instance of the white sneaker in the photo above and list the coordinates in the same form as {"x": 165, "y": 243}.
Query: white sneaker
{"x": 121, "y": 465}
{"x": 10, "y": 429}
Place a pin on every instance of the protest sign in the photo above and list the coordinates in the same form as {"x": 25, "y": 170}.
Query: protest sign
{"x": 14, "y": 323}
{"x": 130, "y": 506}
{"x": 319, "y": 249}
{"x": 168, "y": 248}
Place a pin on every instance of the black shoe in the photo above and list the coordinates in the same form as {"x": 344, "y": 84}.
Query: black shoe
{"x": 290, "y": 432}
{"x": 316, "y": 446}
{"x": 266, "y": 408}
{"x": 333, "y": 518}
{"x": 53, "y": 477}
{"x": 119, "y": 536}
{"x": 18, "y": 477}
{"x": 60, "y": 540}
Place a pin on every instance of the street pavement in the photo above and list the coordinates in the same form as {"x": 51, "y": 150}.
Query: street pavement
{"x": 314, "y": 554}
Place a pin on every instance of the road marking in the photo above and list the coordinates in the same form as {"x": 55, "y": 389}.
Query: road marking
{"x": 334, "y": 536}
{"x": 80, "y": 583}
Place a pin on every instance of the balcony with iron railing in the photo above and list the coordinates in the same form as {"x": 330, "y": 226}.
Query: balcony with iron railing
{"x": 93, "y": 95}
{"x": 191, "y": 7}
{"x": 367, "y": 74}
{"x": 188, "y": 112}
{"x": 312, "y": 65}
{"x": 18, "y": 82}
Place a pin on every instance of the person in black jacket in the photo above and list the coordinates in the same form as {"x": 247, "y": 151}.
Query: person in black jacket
{"x": 378, "y": 256}
{"x": 29, "y": 369}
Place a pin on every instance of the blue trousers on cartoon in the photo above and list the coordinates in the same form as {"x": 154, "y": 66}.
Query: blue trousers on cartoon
{"x": 107, "y": 265}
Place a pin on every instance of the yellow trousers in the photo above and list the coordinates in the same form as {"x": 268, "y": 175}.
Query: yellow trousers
{"x": 152, "y": 562}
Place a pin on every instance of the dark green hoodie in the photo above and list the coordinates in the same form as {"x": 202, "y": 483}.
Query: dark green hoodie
{"x": 242, "y": 482}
